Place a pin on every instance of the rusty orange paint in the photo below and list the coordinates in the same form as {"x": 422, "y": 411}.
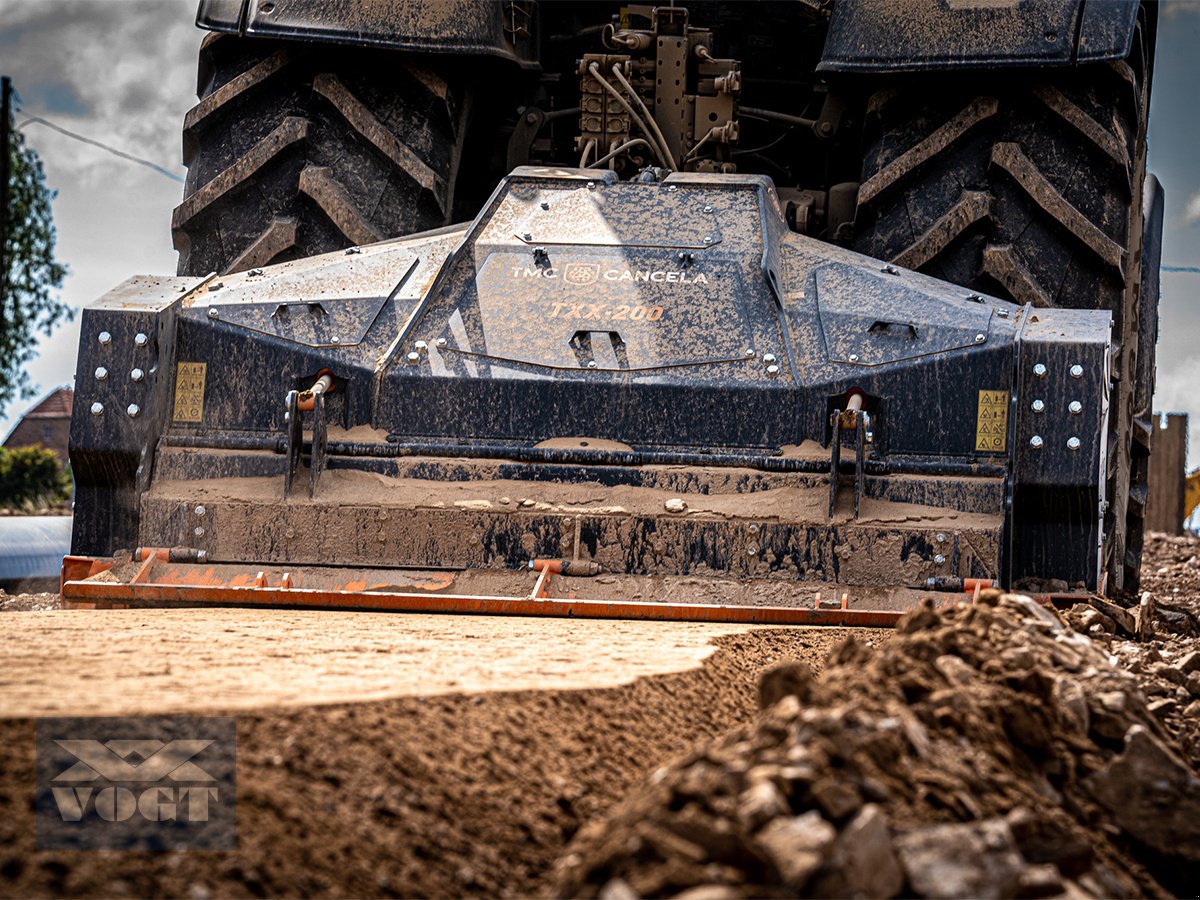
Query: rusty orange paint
{"x": 154, "y": 595}
{"x": 182, "y": 585}
{"x": 76, "y": 568}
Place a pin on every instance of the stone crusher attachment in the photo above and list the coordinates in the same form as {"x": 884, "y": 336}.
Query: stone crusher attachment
{"x": 638, "y": 399}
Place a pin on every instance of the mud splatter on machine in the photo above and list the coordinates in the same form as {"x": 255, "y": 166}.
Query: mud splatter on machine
{"x": 642, "y": 384}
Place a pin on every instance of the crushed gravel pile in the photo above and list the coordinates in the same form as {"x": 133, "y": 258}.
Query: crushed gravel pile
{"x": 985, "y": 751}
{"x": 24, "y": 602}
{"x": 1165, "y": 661}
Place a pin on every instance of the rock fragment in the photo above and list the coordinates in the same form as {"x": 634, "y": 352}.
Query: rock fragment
{"x": 968, "y": 860}
{"x": 863, "y": 862}
{"x": 797, "y": 846}
{"x": 1155, "y": 799}
{"x": 782, "y": 680}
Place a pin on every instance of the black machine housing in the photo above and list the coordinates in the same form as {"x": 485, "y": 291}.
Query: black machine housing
{"x": 586, "y": 335}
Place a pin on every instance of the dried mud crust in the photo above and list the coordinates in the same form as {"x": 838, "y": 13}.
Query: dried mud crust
{"x": 437, "y": 796}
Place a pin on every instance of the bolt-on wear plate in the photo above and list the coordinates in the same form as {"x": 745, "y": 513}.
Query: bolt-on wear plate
{"x": 341, "y": 322}
{"x": 871, "y": 319}
{"x": 326, "y": 301}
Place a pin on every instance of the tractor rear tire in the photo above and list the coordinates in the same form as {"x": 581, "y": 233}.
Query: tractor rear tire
{"x": 295, "y": 150}
{"x": 1030, "y": 188}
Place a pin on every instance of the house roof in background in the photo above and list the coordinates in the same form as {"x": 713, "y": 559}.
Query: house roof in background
{"x": 56, "y": 405}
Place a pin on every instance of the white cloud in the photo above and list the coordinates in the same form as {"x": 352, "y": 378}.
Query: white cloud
{"x": 122, "y": 73}
{"x": 1191, "y": 212}
{"x": 128, "y": 69}
{"x": 1171, "y": 9}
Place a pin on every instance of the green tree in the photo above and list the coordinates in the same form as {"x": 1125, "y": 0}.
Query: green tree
{"x": 32, "y": 478}
{"x": 29, "y": 300}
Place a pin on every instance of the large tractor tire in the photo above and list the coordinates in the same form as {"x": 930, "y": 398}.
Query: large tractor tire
{"x": 295, "y": 150}
{"x": 1030, "y": 187}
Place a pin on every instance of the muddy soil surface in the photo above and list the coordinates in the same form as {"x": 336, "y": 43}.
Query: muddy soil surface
{"x": 445, "y": 794}
{"x": 530, "y": 758}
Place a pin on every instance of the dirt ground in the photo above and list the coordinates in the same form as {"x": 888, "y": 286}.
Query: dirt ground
{"x": 428, "y": 756}
{"x": 202, "y": 660}
{"x": 500, "y": 738}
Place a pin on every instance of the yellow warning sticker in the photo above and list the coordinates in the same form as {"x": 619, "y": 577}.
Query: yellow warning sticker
{"x": 189, "y": 392}
{"x": 991, "y": 422}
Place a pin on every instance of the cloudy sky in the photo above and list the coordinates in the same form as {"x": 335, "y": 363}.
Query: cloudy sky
{"x": 123, "y": 72}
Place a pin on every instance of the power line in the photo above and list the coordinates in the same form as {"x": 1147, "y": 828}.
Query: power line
{"x": 1180, "y": 268}
{"x": 38, "y": 120}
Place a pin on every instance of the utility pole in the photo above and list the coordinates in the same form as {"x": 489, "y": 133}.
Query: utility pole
{"x": 5, "y": 144}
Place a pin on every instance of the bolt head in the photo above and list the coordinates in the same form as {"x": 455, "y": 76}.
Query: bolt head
{"x": 140, "y": 339}
{"x": 591, "y": 185}
{"x": 133, "y": 410}
{"x": 939, "y": 559}
{"x": 413, "y": 358}
{"x": 527, "y": 236}
{"x": 199, "y": 532}
{"x": 753, "y": 529}
{"x": 1036, "y": 442}
{"x": 1037, "y": 405}
{"x": 200, "y": 510}
{"x": 213, "y": 313}
{"x": 350, "y": 250}
{"x": 1002, "y": 313}
{"x": 441, "y": 342}
{"x": 421, "y": 346}
{"x": 1076, "y": 407}
{"x": 104, "y": 338}
{"x": 101, "y": 373}
{"x": 97, "y": 409}
{"x": 137, "y": 374}
{"x": 752, "y": 550}
{"x": 671, "y": 189}
{"x": 336, "y": 339}
{"x": 772, "y": 370}
{"x": 708, "y": 240}
{"x": 749, "y": 353}
{"x": 1073, "y": 443}
{"x": 591, "y": 364}
{"x": 1039, "y": 370}
{"x": 1076, "y": 371}
{"x": 768, "y": 358}
{"x": 980, "y": 338}
{"x": 708, "y": 209}
{"x": 545, "y": 205}
{"x": 853, "y": 357}
{"x": 941, "y": 538}
{"x": 255, "y": 272}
